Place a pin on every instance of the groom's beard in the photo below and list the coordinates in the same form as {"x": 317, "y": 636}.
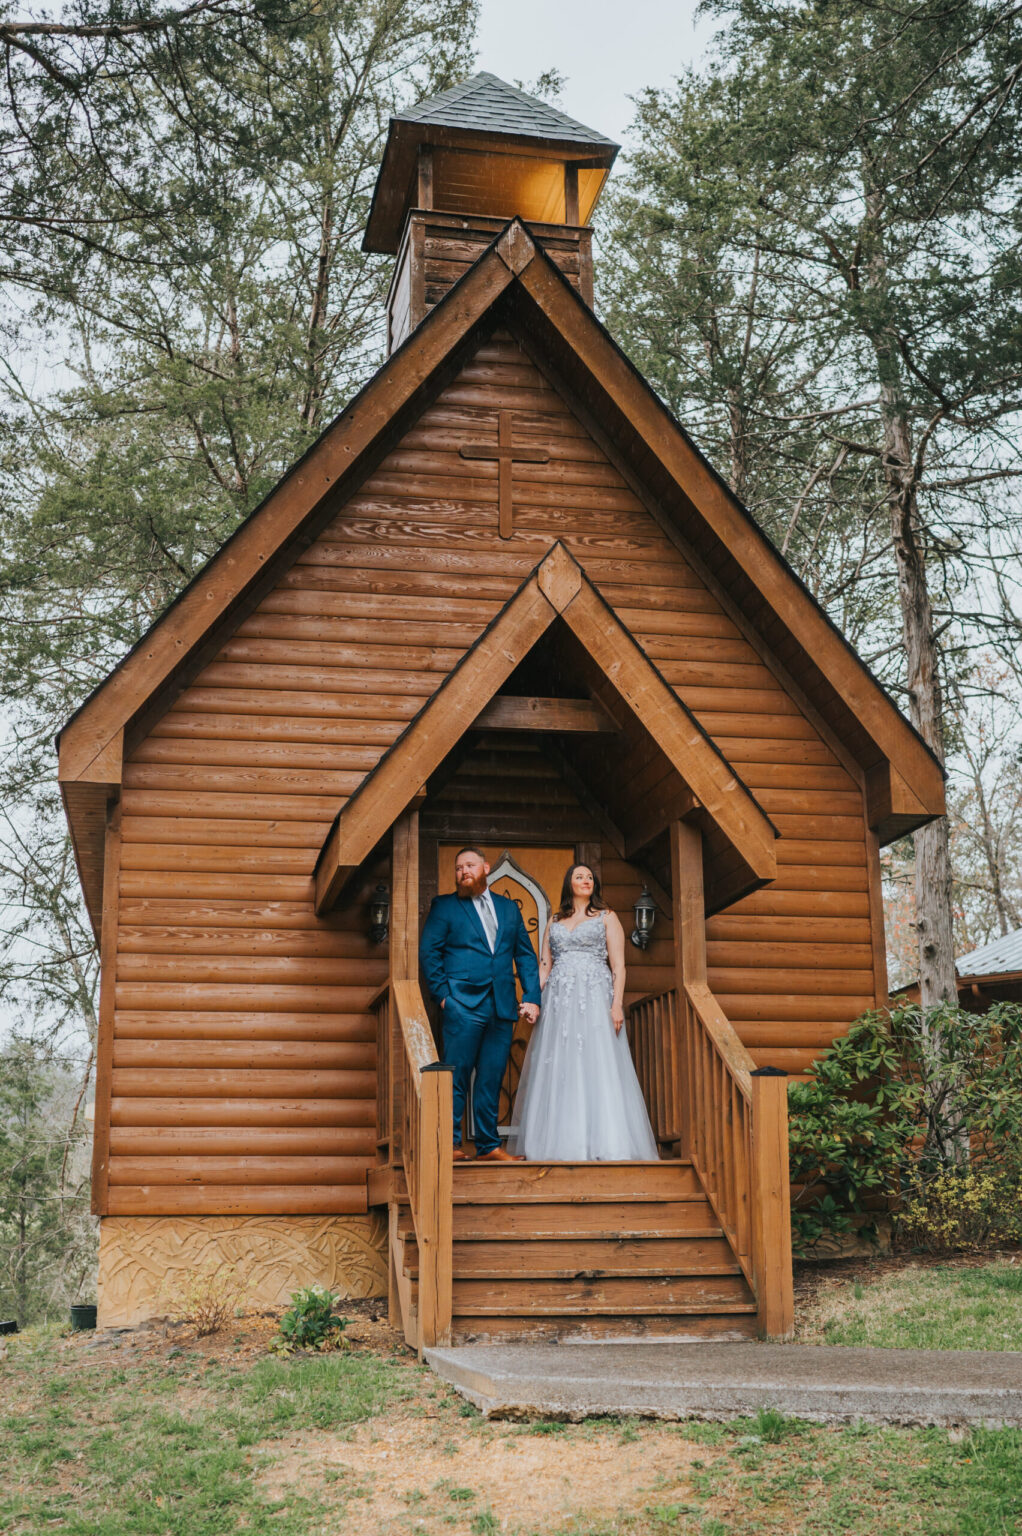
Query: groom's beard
{"x": 471, "y": 888}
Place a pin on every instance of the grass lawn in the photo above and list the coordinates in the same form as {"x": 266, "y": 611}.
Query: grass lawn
{"x": 203, "y": 1438}
{"x": 916, "y": 1306}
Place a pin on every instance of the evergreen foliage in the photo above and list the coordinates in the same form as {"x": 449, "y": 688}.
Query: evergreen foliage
{"x": 917, "y": 1113}
{"x": 311, "y": 1321}
{"x": 817, "y": 256}
{"x": 185, "y": 305}
{"x": 47, "y": 1239}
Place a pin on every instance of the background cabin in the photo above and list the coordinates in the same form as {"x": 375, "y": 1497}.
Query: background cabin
{"x": 502, "y": 600}
{"x": 985, "y": 976}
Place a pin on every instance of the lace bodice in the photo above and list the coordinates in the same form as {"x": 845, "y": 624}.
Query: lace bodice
{"x": 589, "y": 938}
{"x": 581, "y": 948}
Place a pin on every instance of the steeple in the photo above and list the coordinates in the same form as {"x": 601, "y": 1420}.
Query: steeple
{"x": 458, "y": 166}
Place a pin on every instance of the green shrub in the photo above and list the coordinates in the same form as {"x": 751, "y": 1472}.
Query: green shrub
{"x": 919, "y": 1114}
{"x": 310, "y": 1322}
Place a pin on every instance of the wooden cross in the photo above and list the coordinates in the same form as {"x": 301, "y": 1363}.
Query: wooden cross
{"x": 506, "y": 456}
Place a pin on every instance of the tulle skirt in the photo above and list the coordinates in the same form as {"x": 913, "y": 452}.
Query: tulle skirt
{"x": 578, "y": 1097}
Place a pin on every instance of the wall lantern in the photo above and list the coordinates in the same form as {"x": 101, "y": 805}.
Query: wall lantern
{"x": 379, "y": 914}
{"x": 645, "y": 915}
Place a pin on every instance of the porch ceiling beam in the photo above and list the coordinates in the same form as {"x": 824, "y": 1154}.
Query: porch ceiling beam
{"x": 511, "y": 712}
{"x": 675, "y": 805}
{"x": 608, "y": 826}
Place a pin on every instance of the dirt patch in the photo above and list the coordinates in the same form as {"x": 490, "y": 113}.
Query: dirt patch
{"x": 433, "y": 1475}
{"x": 244, "y": 1338}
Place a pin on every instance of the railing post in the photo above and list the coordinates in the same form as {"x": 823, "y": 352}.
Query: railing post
{"x": 689, "y": 949}
{"x": 771, "y": 1204}
{"x": 403, "y": 950}
{"x": 434, "y": 1230}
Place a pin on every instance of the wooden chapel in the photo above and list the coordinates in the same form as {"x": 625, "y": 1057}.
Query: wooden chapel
{"x": 503, "y": 599}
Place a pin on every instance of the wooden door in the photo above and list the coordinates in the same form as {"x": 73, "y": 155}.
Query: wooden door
{"x": 532, "y": 878}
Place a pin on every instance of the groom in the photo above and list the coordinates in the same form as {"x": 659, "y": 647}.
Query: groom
{"x": 472, "y": 942}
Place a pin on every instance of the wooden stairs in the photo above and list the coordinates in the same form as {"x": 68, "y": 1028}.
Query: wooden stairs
{"x": 694, "y": 1247}
{"x": 556, "y": 1251}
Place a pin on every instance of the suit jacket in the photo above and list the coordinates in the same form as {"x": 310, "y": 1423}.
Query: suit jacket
{"x": 456, "y": 959}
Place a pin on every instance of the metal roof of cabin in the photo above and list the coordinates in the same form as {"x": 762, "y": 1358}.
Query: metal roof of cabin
{"x": 1000, "y": 955}
{"x": 487, "y": 104}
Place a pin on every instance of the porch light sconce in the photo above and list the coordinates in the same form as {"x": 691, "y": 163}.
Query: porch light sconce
{"x": 379, "y": 914}
{"x": 645, "y": 916}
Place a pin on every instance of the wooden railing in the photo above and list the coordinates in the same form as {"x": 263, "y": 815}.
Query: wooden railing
{"x": 701, "y": 1085}
{"x": 424, "y": 1094}
{"x": 654, "y": 1037}
{"x": 380, "y": 1008}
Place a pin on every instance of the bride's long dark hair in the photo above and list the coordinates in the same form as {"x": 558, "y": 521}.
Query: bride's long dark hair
{"x": 567, "y": 907}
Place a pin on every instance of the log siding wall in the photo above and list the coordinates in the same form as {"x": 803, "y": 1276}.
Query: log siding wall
{"x": 242, "y": 1073}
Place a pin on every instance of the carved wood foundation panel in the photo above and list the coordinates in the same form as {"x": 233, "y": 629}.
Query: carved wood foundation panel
{"x": 141, "y": 1256}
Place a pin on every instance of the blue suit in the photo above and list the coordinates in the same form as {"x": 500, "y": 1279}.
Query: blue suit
{"x": 480, "y": 1005}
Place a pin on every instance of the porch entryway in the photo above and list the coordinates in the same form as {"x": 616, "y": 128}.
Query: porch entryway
{"x": 692, "y": 1246}
{"x": 556, "y": 731}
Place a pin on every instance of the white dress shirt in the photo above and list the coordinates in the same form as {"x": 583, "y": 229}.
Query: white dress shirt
{"x": 485, "y": 901}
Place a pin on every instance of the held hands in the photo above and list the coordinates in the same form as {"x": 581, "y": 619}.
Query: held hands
{"x": 529, "y": 1011}
{"x": 617, "y": 1013}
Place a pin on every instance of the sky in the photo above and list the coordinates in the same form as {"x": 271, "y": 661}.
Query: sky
{"x": 605, "y": 57}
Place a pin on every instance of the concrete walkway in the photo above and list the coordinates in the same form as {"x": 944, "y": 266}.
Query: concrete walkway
{"x": 723, "y": 1381}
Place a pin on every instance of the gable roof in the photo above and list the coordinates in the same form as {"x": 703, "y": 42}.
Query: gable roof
{"x": 487, "y": 104}
{"x": 558, "y": 587}
{"x": 512, "y": 284}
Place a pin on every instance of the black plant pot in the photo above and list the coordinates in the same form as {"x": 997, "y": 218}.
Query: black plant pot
{"x": 83, "y": 1318}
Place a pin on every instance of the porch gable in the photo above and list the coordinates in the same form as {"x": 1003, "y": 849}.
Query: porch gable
{"x": 557, "y": 588}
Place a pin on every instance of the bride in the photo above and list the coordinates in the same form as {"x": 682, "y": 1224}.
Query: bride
{"x": 578, "y": 1098}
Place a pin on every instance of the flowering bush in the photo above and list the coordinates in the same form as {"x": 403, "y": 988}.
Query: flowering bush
{"x": 963, "y": 1208}
{"x": 919, "y": 1113}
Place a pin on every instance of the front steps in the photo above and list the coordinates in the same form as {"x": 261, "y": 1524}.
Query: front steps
{"x": 582, "y": 1251}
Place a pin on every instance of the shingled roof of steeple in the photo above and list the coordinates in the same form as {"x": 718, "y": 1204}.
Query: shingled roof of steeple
{"x": 487, "y": 104}
{"x": 483, "y": 113}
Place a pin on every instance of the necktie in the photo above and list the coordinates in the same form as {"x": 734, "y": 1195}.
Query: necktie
{"x": 489, "y": 918}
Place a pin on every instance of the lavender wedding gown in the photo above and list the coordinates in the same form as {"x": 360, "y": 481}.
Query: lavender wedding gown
{"x": 578, "y": 1097}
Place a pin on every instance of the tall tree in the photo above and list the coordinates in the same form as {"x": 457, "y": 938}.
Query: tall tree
{"x": 182, "y": 200}
{"x": 880, "y": 166}
{"x": 47, "y": 1241}
{"x": 724, "y": 323}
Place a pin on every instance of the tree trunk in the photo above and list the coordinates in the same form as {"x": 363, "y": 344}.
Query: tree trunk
{"x": 738, "y": 442}
{"x": 991, "y": 843}
{"x": 21, "y": 1265}
{"x": 937, "y": 981}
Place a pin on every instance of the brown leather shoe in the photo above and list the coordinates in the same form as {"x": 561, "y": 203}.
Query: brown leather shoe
{"x": 459, "y": 1155}
{"x": 498, "y": 1155}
